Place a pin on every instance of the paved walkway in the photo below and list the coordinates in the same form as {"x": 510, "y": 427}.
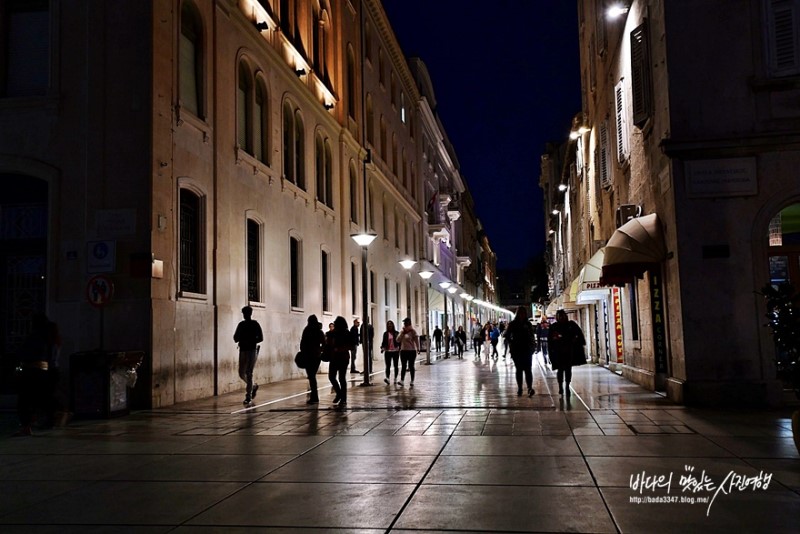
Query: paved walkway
{"x": 460, "y": 452}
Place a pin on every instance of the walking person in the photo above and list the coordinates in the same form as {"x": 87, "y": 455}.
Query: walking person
{"x": 409, "y": 347}
{"x": 541, "y": 333}
{"x": 494, "y": 338}
{"x": 355, "y": 334}
{"x": 477, "y": 338}
{"x": 34, "y": 380}
{"x": 461, "y": 341}
{"x": 390, "y": 348}
{"x": 503, "y": 329}
{"x": 566, "y": 348}
{"x": 437, "y": 337}
{"x": 446, "y": 336}
{"x": 521, "y": 337}
{"x": 341, "y": 345}
{"x": 487, "y": 338}
{"x": 248, "y": 335}
{"x": 311, "y": 342}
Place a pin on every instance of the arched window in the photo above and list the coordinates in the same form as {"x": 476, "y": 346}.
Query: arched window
{"x": 286, "y": 14}
{"x": 288, "y": 142}
{"x": 353, "y": 193}
{"x": 393, "y": 89}
{"x": 190, "y": 63}
{"x": 261, "y": 124}
{"x": 384, "y": 152}
{"x": 351, "y": 82}
{"x": 394, "y": 155}
{"x": 299, "y": 150}
{"x": 324, "y": 170}
{"x": 293, "y": 146}
{"x": 370, "y": 121}
{"x": 321, "y": 35}
{"x": 368, "y": 42}
{"x": 784, "y": 246}
{"x": 244, "y": 95}
{"x": 404, "y": 170}
{"x": 381, "y": 68}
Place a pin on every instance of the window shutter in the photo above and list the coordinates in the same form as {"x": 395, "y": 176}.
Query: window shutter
{"x": 623, "y": 148}
{"x": 642, "y": 83}
{"x": 605, "y": 175}
{"x": 784, "y": 44}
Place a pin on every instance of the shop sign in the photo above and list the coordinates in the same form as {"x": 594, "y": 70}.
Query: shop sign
{"x": 617, "y": 311}
{"x": 659, "y": 328}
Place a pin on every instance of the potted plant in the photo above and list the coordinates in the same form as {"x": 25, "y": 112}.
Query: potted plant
{"x": 783, "y": 314}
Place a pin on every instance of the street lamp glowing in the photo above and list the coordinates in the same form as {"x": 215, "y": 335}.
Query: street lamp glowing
{"x": 616, "y": 11}
{"x": 562, "y": 187}
{"x": 554, "y": 212}
{"x": 364, "y": 239}
{"x": 452, "y": 290}
{"x": 464, "y": 295}
{"x": 425, "y": 275}
{"x": 444, "y": 285}
{"x": 407, "y": 264}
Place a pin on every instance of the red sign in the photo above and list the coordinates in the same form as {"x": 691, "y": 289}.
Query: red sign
{"x": 617, "y": 311}
{"x": 99, "y": 291}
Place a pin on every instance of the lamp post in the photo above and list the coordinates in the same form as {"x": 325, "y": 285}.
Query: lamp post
{"x": 407, "y": 265}
{"x": 426, "y": 275}
{"x": 445, "y": 285}
{"x": 363, "y": 240}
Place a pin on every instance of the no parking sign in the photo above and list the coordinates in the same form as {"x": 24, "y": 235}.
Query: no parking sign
{"x": 99, "y": 291}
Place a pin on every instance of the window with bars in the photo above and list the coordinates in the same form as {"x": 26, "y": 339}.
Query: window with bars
{"x": 783, "y": 37}
{"x": 192, "y": 272}
{"x": 325, "y": 269}
{"x": 641, "y": 75}
{"x": 295, "y": 272}
{"x": 190, "y": 80}
{"x": 253, "y": 261}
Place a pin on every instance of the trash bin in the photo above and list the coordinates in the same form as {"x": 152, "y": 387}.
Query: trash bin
{"x": 423, "y": 343}
{"x": 100, "y": 380}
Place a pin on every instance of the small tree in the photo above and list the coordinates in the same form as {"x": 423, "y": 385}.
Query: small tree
{"x": 783, "y": 314}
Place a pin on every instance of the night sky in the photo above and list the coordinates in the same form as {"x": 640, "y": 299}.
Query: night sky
{"x": 507, "y": 81}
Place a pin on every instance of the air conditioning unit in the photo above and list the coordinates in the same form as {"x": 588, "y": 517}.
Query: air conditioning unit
{"x": 626, "y": 212}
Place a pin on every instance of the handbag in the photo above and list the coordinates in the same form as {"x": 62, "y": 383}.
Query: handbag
{"x": 578, "y": 354}
{"x": 299, "y": 360}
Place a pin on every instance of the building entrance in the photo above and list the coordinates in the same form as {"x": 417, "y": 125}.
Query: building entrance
{"x": 784, "y": 247}
{"x": 23, "y": 265}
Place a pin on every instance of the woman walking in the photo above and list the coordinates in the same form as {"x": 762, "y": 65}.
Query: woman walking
{"x": 566, "y": 348}
{"x": 391, "y": 351}
{"x": 461, "y": 341}
{"x": 522, "y": 340}
{"x": 409, "y": 347}
{"x": 311, "y": 342}
{"x": 340, "y": 343}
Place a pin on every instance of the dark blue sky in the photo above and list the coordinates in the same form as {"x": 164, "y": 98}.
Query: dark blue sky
{"x": 507, "y": 81}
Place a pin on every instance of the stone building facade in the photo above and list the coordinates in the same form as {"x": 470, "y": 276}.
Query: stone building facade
{"x": 685, "y": 147}
{"x": 204, "y": 155}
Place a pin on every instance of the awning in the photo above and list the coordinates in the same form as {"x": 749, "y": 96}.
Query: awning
{"x": 635, "y": 247}
{"x": 590, "y": 289}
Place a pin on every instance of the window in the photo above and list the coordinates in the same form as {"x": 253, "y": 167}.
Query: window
{"x": 783, "y": 37}
{"x": 325, "y": 270}
{"x": 243, "y": 111}
{"x": 351, "y": 82}
{"x": 324, "y": 171}
{"x": 353, "y": 287}
{"x": 192, "y": 272}
{"x": 403, "y": 107}
{"x": 385, "y": 218}
{"x": 622, "y": 123}
{"x": 293, "y": 146}
{"x": 319, "y": 39}
{"x": 381, "y": 68}
{"x": 190, "y": 64}
{"x": 396, "y": 231}
{"x": 261, "y": 124}
{"x": 393, "y": 89}
{"x": 372, "y": 287}
{"x": 371, "y": 206}
{"x": 386, "y": 292}
{"x": 394, "y": 155}
{"x": 602, "y": 157}
{"x": 287, "y": 17}
{"x": 295, "y": 272}
{"x": 368, "y": 42}
{"x": 404, "y": 170}
{"x": 641, "y": 74}
{"x": 253, "y": 263}
{"x": 383, "y": 139}
{"x": 353, "y": 193}
{"x": 370, "y": 121}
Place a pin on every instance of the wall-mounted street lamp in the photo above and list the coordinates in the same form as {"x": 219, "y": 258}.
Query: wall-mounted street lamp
{"x": 562, "y": 187}
{"x": 425, "y": 275}
{"x": 262, "y": 26}
{"x": 616, "y": 11}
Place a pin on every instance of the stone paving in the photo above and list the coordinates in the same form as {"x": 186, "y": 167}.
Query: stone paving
{"x": 460, "y": 452}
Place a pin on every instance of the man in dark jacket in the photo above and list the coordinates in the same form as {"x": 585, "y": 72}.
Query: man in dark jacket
{"x": 355, "y": 334}
{"x": 248, "y": 335}
{"x": 311, "y": 343}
